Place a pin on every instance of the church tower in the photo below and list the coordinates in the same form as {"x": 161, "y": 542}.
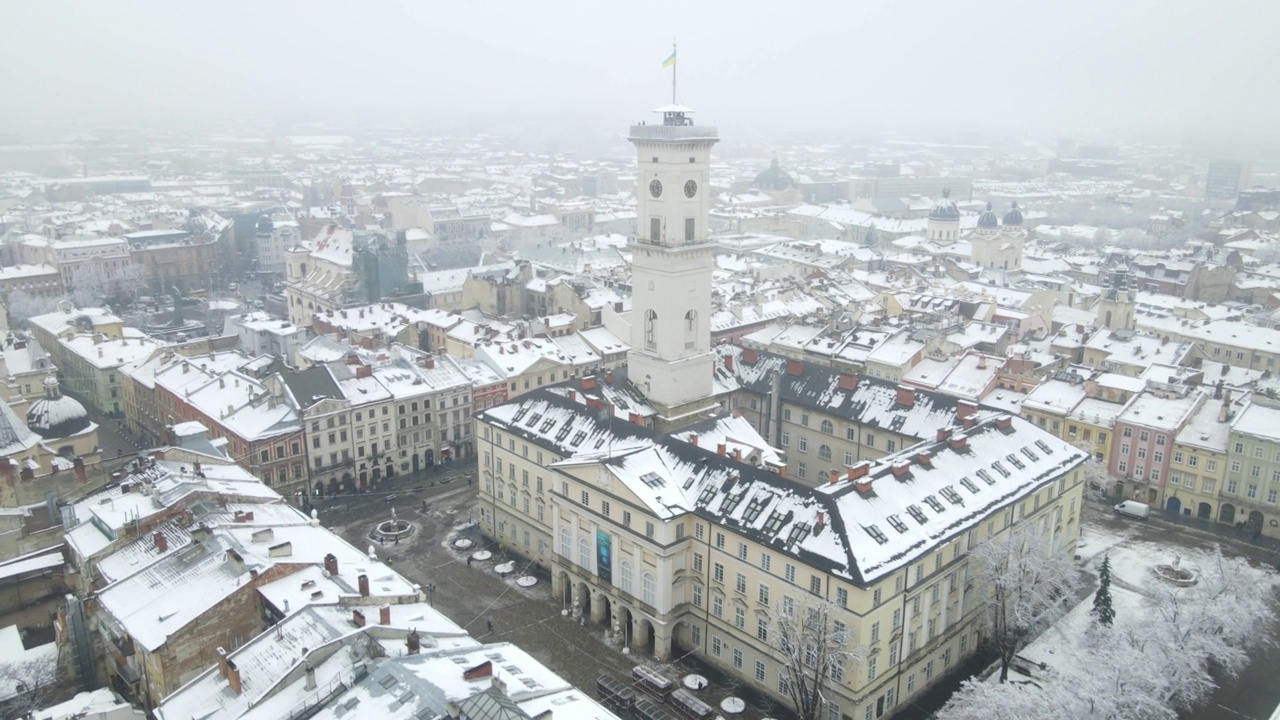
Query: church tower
{"x": 672, "y": 261}
{"x": 1116, "y": 307}
{"x": 943, "y": 225}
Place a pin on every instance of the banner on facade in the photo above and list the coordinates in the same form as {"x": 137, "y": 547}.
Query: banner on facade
{"x": 604, "y": 556}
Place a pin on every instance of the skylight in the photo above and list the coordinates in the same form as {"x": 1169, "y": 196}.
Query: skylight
{"x": 731, "y": 503}
{"x": 1004, "y": 472}
{"x": 653, "y": 480}
{"x": 985, "y": 477}
{"x": 564, "y": 432}
{"x": 1030, "y": 455}
{"x": 933, "y": 503}
{"x": 775, "y": 523}
{"x": 708, "y": 492}
{"x": 915, "y": 512}
{"x": 533, "y": 419}
{"x": 876, "y": 535}
{"x": 968, "y": 485}
{"x": 1015, "y": 461}
{"x": 1044, "y": 446}
{"x": 546, "y": 426}
{"x": 578, "y": 437}
{"x": 799, "y": 532}
{"x": 897, "y": 523}
{"x": 756, "y": 507}
{"x": 951, "y": 495}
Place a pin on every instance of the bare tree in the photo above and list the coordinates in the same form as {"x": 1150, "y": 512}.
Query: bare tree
{"x": 131, "y": 280}
{"x": 29, "y": 685}
{"x": 814, "y": 648}
{"x": 1029, "y": 582}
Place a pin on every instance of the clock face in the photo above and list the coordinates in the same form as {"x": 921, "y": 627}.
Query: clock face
{"x": 655, "y": 188}
{"x": 690, "y": 189}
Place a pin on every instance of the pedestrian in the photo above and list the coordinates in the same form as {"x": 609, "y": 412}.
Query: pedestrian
{"x": 424, "y": 506}
{"x": 489, "y": 625}
{"x": 397, "y": 540}
{"x": 468, "y": 561}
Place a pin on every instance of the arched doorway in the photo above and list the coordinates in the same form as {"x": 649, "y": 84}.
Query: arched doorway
{"x": 415, "y": 462}
{"x": 1174, "y": 506}
{"x": 643, "y": 639}
{"x": 1227, "y": 513}
{"x": 1255, "y": 520}
{"x": 333, "y": 486}
{"x": 429, "y": 457}
{"x": 581, "y": 601}
{"x": 319, "y": 490}
{"x": 1204, "y": 511}
{"x": 622, "y": 629}
{"x": 605, "y": 609}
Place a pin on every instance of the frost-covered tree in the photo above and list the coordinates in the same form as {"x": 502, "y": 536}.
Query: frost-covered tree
{"x": 90, "y": 285}
{"x": 1028, "y": 580}
{"x": 30, "y": 684}
{"x": 814, "y": 649}
{"x": 23, "y": 305}
{"x": 1103, "y": 611}
{"x": 131, "y": 280}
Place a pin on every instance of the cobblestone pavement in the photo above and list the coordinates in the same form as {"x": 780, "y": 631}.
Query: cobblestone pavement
{"x": 475, "y": 596}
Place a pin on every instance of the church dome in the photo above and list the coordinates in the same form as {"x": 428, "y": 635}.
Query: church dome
{"x": 773, "y": 178}
{"x": 945, "y": 209}
{"x": 56, "y": 415}
{"x": 988, "y": 219}
{"x": 1014, "y": 216}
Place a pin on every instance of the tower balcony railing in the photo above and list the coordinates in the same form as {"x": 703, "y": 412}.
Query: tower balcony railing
{"x": 674, "y": 132}
{"x": 638, "y": 240}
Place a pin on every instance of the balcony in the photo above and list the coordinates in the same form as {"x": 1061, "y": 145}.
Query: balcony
{"x": 692, "y": 133}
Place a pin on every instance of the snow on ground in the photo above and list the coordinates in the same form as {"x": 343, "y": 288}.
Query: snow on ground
{"x": 1060, "y": 648}
{"x": 1131, "y": 559}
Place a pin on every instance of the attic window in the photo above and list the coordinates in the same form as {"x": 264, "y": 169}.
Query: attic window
{"x": 708, "y": 492}
{"x": 897, "y": 523}
{"x": 1044, "y": 446}
{"x": 915, "y": 512}
{"x": 520, "y": 414}
{"x": 755, "y": 507}
{"x": 1013, "y": 459}
{"x": 876, "y": 535}
{"x": 578, "y": 437}
{"x": 514, "y": 670}
{"x": 496, "y": 657}
{"x": 951, "y": 495}
{"x": 775, "y": 523}
{"x": 986, "y": 477}
{"x": 529, "y": 682}
{"x": 968, "y": 485}
{"x": 1004, "y": 472}
{"x": 1030, "y": 455}
{"x": 564, "y": 432}
{"x": 799, "y": 532}
{"x": 547, "y": 425}
{"x": 460, "y": 661}
{"x": 388, "y": 682}
{"x": 653, "y": 480}
{"x": 533, "y": 420}
{"x": 933, "y": 503}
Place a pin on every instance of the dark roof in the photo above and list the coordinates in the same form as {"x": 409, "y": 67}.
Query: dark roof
{"x": 988, "y": 219}
{"x": 1014, "y": 216}
{"x": 945, "y": 209}
{"x": 311, "y": 384}
{"x": 492, "y": 704}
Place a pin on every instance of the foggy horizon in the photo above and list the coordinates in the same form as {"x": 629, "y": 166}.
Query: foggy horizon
{"x": 1184, "y": 72}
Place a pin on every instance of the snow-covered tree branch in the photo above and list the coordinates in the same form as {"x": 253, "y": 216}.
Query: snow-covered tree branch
{"x": 815, "y": 650}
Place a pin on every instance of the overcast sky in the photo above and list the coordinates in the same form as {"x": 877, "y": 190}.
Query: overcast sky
{"x": 1171, "y": 68}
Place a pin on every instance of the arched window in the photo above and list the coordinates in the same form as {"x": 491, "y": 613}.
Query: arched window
{"x": 564, "y": 542}
{"x": 824, "y": 452}
{"x": 648, "y": 589}
{"x": 584, "y": 553}
{"x": 650, "y": 330}
{"x": 691, "y": 330}
{"x": 627, "y": 577}
{"x": 827, "y": 427}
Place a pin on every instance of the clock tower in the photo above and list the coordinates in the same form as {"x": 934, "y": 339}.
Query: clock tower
{"x": 671, "y": 265}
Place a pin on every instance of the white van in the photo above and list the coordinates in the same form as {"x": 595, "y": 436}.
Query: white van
{"x": 1134, "y": 509}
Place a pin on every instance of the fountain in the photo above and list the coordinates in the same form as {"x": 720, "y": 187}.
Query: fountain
{"x": 393, "y": 530}
{"x": 1175, "y": 574}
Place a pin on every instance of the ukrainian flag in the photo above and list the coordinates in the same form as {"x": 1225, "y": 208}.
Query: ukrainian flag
{"x": 671, "y": 60}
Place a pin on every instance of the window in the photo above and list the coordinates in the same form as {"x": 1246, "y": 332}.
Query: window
{"x": 564, "y": 542}
{"x": 893, "y": 654}
{"x": 790, "y": 573}
{"x": 648, "y": 589}
{"x": 800, "y": 470}
{"x": 828, "y": 428}
{"x": 584, "y": 553}
{"x": 717, "y": 604}
{"x": 697, "y": 562}
{"x": 815, "y": 585}
{"x": 786, "y": 439}
{"x": 871, "y": 668}
{"x": 740, "y": 584}
{"x": 717, "y": 572}
{"x": 848, "y": 458}
{"x": 897, "y": 618}
{"x": 842, "y": 597}
{"x": 1252, "y": 491}
{"x": 697, "y": 597}
{"x": 871, "y": 442}
{"x": 784, "y": 684}
{"x": 765, "y": 561}
{"x": 720, "y": 540}
{"x": 802, "y": 444}
{"x": 626, "y": 515}
{"x": 1233, "y": 486}
{"x": 875, "y": 632}
{"x": 875, "y": 597}
{"x": 742, "y": 551}
{"x": 759, "y": 671}
{"x": 824, "y": 452}
{"x": 604, "y": 504}
{"x": 627, "y": 577}
{"x": 740, "y": 617}
{"x": 911, "y": 683}
{"x": 651, "y": 322}
{"x": 1235, "y": 466}
{"x": 763, "y": 595}
{"x": 715, "y": 645}
{"x": 648, "y": 529}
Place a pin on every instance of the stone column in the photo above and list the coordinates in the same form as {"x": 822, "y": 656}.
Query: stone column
{"x": 597, "y": 607}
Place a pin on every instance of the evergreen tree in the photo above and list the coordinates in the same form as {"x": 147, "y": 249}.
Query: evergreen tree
{"x": 1102, "y": 608}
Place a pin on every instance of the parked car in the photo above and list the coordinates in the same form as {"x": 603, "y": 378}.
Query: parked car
{"x": 1134, "y": 509}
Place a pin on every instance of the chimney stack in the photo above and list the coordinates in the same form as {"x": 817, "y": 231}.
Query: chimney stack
{"x": 795, "y": 367}
{"x": 311, "y": 677}
{"x": 959, "y": 441}
{"x": 363, "y": 581}
{"x": 331, "y": 564}
{"x": 965, "y": 409}
{"x": 384, "y": 615}
{"x": 693, "y": 439}
{"x": 413, "y": 642}
{"x": 847, "y": 382}
{"x": 357, "y": 618}
{"x": 906, "y": 396}
{"x": 721, "y": 448}
{"x": 161, "y": 542}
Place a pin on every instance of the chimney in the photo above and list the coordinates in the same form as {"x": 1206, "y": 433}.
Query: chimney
{"x": 265, "y": 535}
{"x": 363, "y": 581}
{"x": 635, "y": 418}
{"x": 357, "y": 618}
{"x": 236, "y": 561}
{"x": 834, "y": 477}
{"x": 161, "y": 542}
{"x": 795, "y": 367}
{"x": 384, "y": 615}
{"x": 331, "y": 564}
{"x": 944, "y": 434}
{"x": 862, "y": 486}
{"x": 608, "y": 378}
{"x": 820, "y": 523}
{"x": 847, "y": 382}
{"x": 589, "y": 382}
{"x": 431, "y": 362}
{"x": 195, "y": 468}
{"x": 233, "y": 677}
{"x": 900, "y": 468}
{"x": 483, "y": 670}
{"x": 222, "y": 662}
{"x": 982, "y": 361}
{"x": 1004, "y": 422}
{"x": 311, "y": 677}
{"x": 721, "y": 448}
{"x": 906, "y": 396}
{"x": 737, "y": 454}
{"x": 965, "y": 409}
{"x": 243, "y": 517}
{"x": 968, "y": 422}
{"x": 728, "y": 363}
{"x": 924, "y": 459}
{"x": 573, "y": 395}
{"x": 859, "y": 469}
{"x": 750, "y": 357}
{"x": 959, "y": 441}
{"x": 413, "y": 642}
{"x": 284, "y": 549}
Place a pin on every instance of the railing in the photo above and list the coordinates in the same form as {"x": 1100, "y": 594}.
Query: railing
{"x": 674, "y": 132}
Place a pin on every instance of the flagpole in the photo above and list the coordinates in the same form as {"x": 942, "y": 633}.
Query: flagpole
{"x": 673, "y": 73}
